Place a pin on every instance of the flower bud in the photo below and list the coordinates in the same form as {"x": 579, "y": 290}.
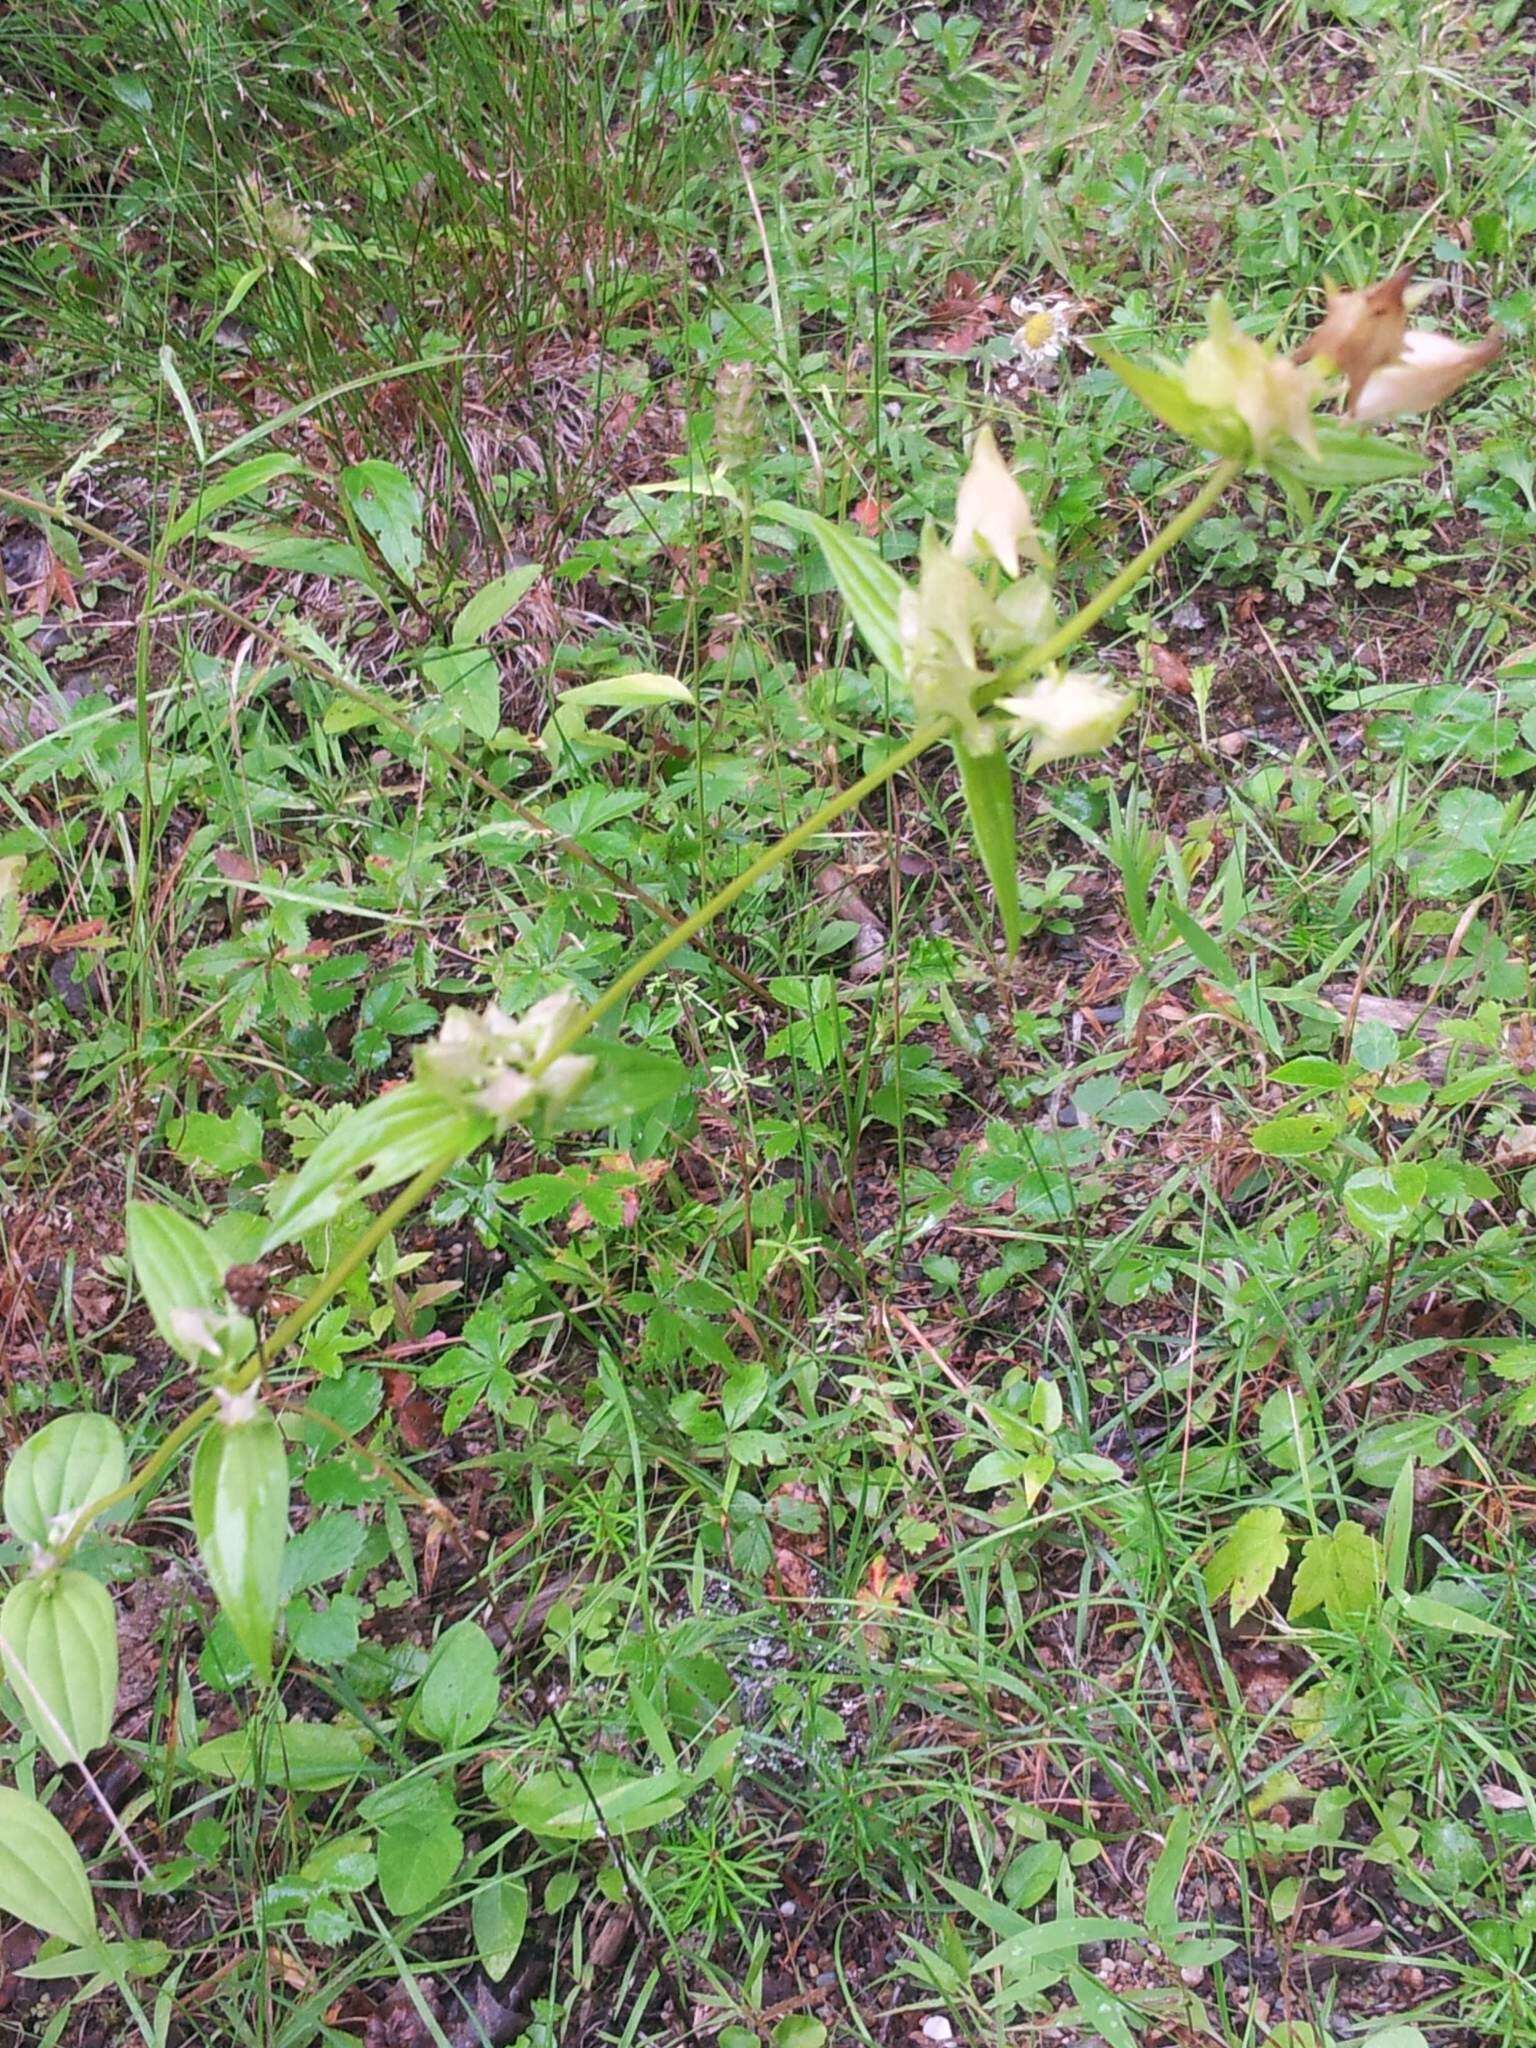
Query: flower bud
{"x": 992, "y": 516}
{"x": 938, "y": 622}
{"x": 1069, "y": 713}
{"x": 1360, "y": 331}
{"x": 508, "y": 1067}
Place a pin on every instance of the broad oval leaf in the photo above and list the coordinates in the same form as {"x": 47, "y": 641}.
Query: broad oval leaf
{"x": 42, "y": 1879}
{"x": 987, "y": 781}
{"x": 498, "y": 1919}
{"x": 1383, "y": 1450}
{"x": 420, "y": 1848}
{"x": 58, "y": 1640}
{"x": 869, "y": 586}
{"x": 385, "y": 1141}
{"x": 1300, "y": 1136}
{"x": 387, "y": 506}
{"x": 58, "y": 1470}
{"x": 556, "y": 1804}
{"x": 303, "y": 1756}
{"x": 629, "y": 693}
{"x": 462, "y": 1688}
{"x": 240, "y": 1513}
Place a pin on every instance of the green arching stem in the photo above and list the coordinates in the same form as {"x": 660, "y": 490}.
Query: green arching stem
{"x": 1120, "y": 585}
{"x": 335, "y": 1277}
{"x": 331, "y": 1281}
{"x": 1027, "y": 664}
{"x": 754, "y": 871}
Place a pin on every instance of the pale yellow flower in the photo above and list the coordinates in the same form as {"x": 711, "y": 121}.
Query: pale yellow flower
{"x": 1069, "y": 712}
{"x": 992, "y": 516}
{"x": 1230, "y": 372}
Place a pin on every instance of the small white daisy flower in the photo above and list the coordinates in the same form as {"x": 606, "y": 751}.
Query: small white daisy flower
{"x": 1041, "y": 334}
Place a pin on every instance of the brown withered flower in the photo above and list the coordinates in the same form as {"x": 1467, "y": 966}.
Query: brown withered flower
{"x": 1361, "y": 330}
{"x": 1390, "y": 367}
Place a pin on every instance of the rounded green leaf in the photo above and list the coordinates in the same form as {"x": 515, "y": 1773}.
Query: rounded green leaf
{"x": 58, "y": 1470}
{"x": 1383, "y": 1201}
{"x": 240, "y": 1513}
{"x": 42, "y": 1879}
{"x": 182, "y": 1275}
{"x": 58, "y": 1641}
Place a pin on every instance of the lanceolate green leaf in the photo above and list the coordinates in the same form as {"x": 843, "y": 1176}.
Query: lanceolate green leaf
{"x": 870, "y": 587}
{"x": 243, "y": 481}
{"x": 385, "y": 1141}
{"x": 240, "y": 1513}
{"x": 987, "y": 781}
{"x": 58, "y": 1639}
{"x": 42, "y": 1879}
{"x": 1165, "y": 397}
{"x": 497, "y": 1919}
{"x": 490, "y": 605}
{"x": 67, "y": 1463}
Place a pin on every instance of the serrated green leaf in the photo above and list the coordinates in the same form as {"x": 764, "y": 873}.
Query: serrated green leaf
{"x": 387, "y": 506}
{"x": 58, "y": 1641}
{"x": 987, "y": 781}
{"x": 1340, "y": 1571}
{"x": 42, "y": 1879}
{"x": 869, "y": 586}
{"x": 498, "y": 1920}
{"x": 61, "y": 1467}
{"x": 1245, "y": 1566}
{"x": 484, "y": 612}
{"x": 240, "y": 1514}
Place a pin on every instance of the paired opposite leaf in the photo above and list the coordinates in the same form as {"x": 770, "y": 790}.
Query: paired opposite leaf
{"x": 42, "y": 1879}
{"x": 240, "y": 1513}
{"x": 58, "y": 1641}
{"x": 59, "y": 1469}
{"x": 182, "y": 1276}
{"x": 385, "y": 1141}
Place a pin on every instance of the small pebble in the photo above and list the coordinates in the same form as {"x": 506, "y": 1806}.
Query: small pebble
{"x": 1187, "y": 617}
{"x": 937, "y": 2028}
